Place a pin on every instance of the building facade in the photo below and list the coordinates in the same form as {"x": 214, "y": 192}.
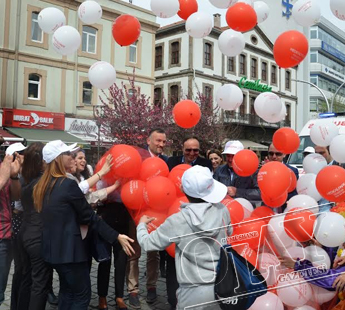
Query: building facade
{"x": 185, "y": 65}
{"x": 37, "y": 79}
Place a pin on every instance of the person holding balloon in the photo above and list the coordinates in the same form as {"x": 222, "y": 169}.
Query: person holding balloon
{"x": 203, "y": 214}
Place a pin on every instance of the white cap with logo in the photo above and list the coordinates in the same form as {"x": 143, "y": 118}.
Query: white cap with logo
{"x": 309, "y": 149}
{"x": 232, "y": 147}
{"x": 15, "y": 147}
{"x": 54, "y": 148}
{"x": 197, "y": 182}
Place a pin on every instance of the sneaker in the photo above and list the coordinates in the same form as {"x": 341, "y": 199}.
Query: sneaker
{"x": 52, "y": 299}
{"x": 134, "y": 301}
{"x": 151, "y": 295}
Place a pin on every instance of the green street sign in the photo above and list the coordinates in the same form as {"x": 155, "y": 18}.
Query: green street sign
{"x": 254, "y": 85}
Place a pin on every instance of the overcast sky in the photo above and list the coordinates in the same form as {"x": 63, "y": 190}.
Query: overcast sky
{"x": 205, "y": 5}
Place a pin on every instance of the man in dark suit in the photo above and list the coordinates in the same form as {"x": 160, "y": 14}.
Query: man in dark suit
{"x": 191, "y": 150}
{"x": 156, "y": 142}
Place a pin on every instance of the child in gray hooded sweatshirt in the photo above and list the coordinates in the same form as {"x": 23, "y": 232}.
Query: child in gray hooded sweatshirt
{"x": 197, "y": 231}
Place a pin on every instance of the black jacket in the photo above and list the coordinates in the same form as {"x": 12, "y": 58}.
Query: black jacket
{"x": 64, "y": 210}
{"x": 177, "y": 160}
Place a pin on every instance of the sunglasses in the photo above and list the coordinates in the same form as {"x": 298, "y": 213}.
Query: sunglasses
{"x": 190, "y": 150}
{"x": 275, "y": 153}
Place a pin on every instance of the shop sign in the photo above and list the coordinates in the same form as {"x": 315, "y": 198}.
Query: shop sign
{"x": 333, "y": 51}
{"x": 33, "y": 119}
{"x": 332, "y": 73}
{"x": 254, "y": 85}
{"x": 87, "y": 128}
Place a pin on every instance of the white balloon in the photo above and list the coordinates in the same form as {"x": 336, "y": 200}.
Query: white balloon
{"x": 306, "y": 307}
{"x": 306, "y": 12}
{"x": 50, "y": 19}
{"x": 269, "y": 301}
{"x": 269, "y": 267}
{"x": 294, "y": 252}
{"x": 337, "y": 148}
{"x": 268, "y": 106}
{"x": 90, "y": 12}
{"x": 313, "y": 163}
{"x": 223, "y": 4}
{"x": 323, "y": 131}
{"x": 329, "y": 229}
{"x": 247, "y": 206}
{"x": 250, "y": 2}
{"x": 102, "y": 75}
{"x": 304, "y": 202}
{"x": 165, "y": 9}
{"x": 66, "y": 40}
{"x": 338, "y": 8}
{"x": 321, "y": 295}
{"x": 317, "y": 256}
{"x": 306, "y": 186}
{"x": 229, "y": 97}
{"x": 278, "y": 234}
{"x": 231, "y": 43}
{"x": 262, "y": 10}
{"x": 294, "y": 293}
{"x": 199, "y": 25}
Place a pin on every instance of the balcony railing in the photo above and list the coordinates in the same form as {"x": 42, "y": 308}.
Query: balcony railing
{"x": 252, "y": 120}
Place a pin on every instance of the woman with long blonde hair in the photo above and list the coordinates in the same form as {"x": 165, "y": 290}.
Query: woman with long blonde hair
{"x": 64, "y": 208}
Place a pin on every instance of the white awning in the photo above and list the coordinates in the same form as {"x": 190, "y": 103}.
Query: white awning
{"x": 253, "y": 145}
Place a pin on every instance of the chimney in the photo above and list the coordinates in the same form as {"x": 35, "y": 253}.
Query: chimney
{"x": 216, "y": 20}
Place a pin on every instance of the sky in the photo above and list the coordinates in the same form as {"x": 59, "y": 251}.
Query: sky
{"x": 206, "y": 6}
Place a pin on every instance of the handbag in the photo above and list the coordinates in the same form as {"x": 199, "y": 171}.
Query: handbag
{"x": 238, "y": 283}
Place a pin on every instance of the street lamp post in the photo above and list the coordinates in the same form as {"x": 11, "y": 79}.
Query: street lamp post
{"x": 320, "y": 90}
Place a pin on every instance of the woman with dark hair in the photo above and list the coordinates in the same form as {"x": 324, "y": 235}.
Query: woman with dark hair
{"x": 216, "y": 158}
{"x": 83, "y": 172}
{"x": 64, "y": 208}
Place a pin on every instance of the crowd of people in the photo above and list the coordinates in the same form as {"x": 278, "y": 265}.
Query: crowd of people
{"x": 53, "y": 207}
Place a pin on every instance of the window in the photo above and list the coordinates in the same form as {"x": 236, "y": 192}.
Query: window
{"x": 133, "y": 52}
{"x": 208, "y": 54}
{"x": 287, "y": 80}
{"x": 313, "y": 79}
{"x": 243, "y": 105}
{"x": 313, "y": 56}
{"x": 34, "y": 87}
{"x": 313, "y": 33}
{"x": 208, "y": 92}
{"x": 264, "y": 71}
{"x": 288, "y": 113}
{"x": 87, "y": 92}
{"x": 254, "y": 68}
{"x": 175, "y": 53}
{"x": 231, "y": 64}
{"x": 174, "y": 96}
{"x": 89, "y": 39}
{"x": 243, "y": 69}
{"x": 252, "y": 110}
{"x": 36, "y": 32}
{"x": 159, "y": 57}
{"x": 274, "y": 74}
{"x": 158, "y": 97}
{"x": 131, "y": 93}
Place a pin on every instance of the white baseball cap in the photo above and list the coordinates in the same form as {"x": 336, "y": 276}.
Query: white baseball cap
{"x": 15, "y": 147}
{"x": 232, "y": 147}
{"x": 309, "y": 149}
{"x": 197, "y": 182}
{"x": 54, "y": 148}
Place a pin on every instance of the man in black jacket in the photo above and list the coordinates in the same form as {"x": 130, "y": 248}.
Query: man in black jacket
{"x": 238, "y": 187}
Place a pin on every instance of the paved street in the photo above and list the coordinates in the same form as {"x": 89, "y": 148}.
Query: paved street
{"x": 160, "y": 304}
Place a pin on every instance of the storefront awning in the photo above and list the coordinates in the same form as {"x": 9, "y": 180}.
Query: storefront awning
{"x": 44, "y": 136}
{"x": 253, "y": 145}
{"x": 9, "y": 138}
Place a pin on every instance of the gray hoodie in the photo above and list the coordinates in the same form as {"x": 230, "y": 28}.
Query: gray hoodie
{"x": 197, "y": 244}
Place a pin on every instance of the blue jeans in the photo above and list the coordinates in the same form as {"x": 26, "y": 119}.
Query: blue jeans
{"x": 5, "y": 265}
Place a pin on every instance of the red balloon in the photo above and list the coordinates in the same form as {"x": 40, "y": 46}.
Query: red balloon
{"x": 132, "y": 194}
{"x": 330, "y": 182}
{"x": 241, "y": 17}
{"x": 286, "y": 140}
{"x": 252, "y": 231}
{"x": 293, "y": 182}
{"x": 171, "y": 249}
{"x": 186, "y": 113}
{"x": 175, "y": 176}
{"x": 263, "y": 213}
{"x": 126, "y": 29}
{"x": 245, "y": 163}
{"x": 274, "y": 202}
{"x": 109, "y": 178}
{"x": 248, "y": 253}
{"x": 152, "y": 167}
{"x": 187, "y": 8}
{"x": 159, "y": 193}
{"x": 274, "y": 179}
{"x": 127, "y": 161}
{"x": 176, "y": 206}
{"x": 235, "y": 209}
{"x": 290, "y": 48}
{"x": 160, "y": 219}
{"x": 299, "y": 224}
